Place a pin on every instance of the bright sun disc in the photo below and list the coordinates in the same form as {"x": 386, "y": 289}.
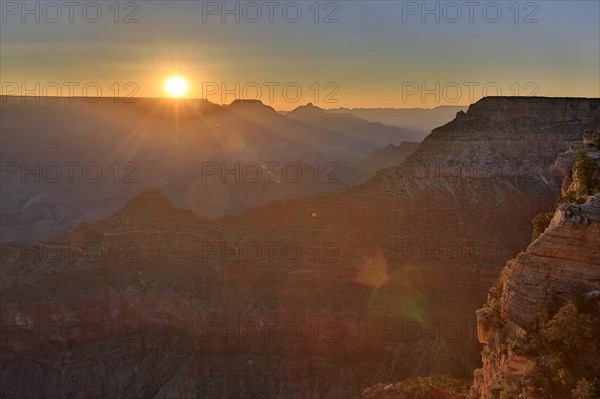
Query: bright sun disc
{"x": 176, "y": 86}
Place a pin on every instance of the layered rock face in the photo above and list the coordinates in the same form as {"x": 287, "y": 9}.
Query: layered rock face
{"x": 561, "y": 265}
{"x": 572, "y": 180}
{"x": 561, "y": 262}
{"x": 548, "y": 109}
{"x": 313, "y": 297}
{"x": 565, "y": 259}
{"x": 565, "y": 163}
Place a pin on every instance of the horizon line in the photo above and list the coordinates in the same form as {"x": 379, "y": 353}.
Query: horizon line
{"x": 130, "y": 100}
{"x": 133, "y": 100}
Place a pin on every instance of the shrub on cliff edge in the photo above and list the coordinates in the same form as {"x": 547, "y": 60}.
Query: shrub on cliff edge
{"x": 566, "y": 364}
{"x": 540, "y": 222}
{"x": 585, "y": 169}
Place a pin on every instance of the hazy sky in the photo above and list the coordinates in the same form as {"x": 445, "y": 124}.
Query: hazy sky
{"x": 369, "y": 54}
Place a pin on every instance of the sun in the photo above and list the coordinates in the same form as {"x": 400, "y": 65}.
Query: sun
{"x": 176, "y": 86}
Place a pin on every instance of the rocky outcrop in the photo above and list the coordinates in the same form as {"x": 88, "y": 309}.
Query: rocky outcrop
{"x": 565, "y": 163}
{"x": 436, "y": 387}
{"x": 546, "y": 109}
{"x": 565, "y": 259}
{"x": 312, "y": 297}
{"x": 572, "y": 180}
{"x": 560, "y": 265}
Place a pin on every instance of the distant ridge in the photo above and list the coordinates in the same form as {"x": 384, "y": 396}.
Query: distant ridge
{"x": 421, "y": 120}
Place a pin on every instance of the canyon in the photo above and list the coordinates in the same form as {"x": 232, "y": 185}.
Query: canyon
{"x": 319, "y": 296}
{"x": 213, "y": 159}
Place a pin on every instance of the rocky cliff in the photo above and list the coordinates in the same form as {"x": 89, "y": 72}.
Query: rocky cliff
{"x": 561, "y": 265}
{"x": 547, "y": 109}
{"x": 312, "y": 297}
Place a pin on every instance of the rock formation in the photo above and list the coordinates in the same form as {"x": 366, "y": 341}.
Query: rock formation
{"x": 435, "y": 387}
{"x": 561, "y": 265}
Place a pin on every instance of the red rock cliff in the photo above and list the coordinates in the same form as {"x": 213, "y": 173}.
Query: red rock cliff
{"x": 561, "y": 265}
